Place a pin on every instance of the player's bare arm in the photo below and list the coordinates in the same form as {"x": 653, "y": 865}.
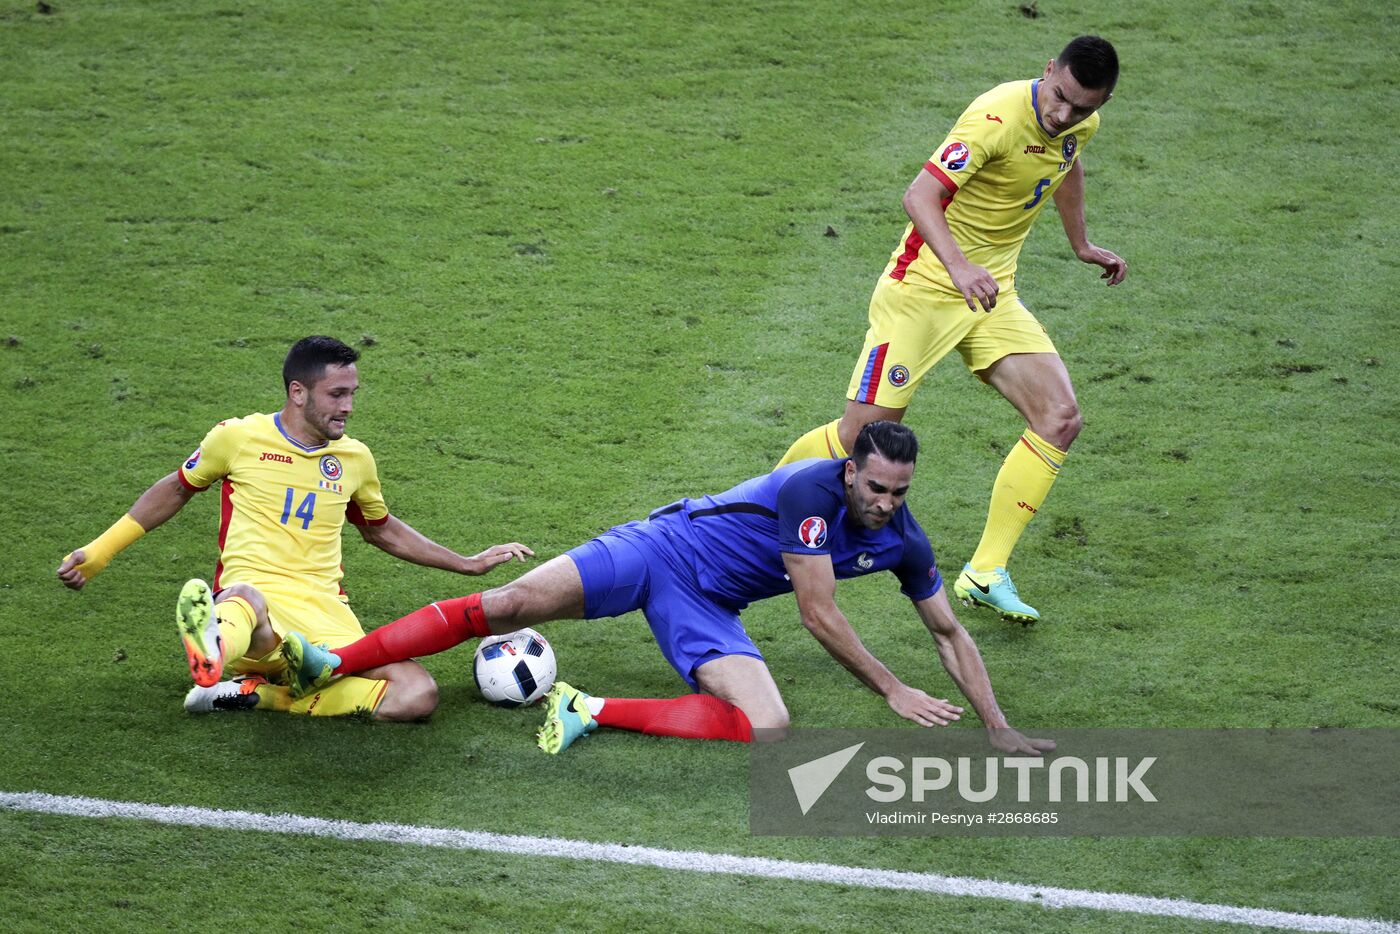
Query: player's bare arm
{"x": 162, "y": 500}
{"x": 814, "y": 585}
{"x": 406, "y": 543}
{"x": 1069, "y": 201}
{"x": 963, "y": 662}
{"x": 923, "y": 202}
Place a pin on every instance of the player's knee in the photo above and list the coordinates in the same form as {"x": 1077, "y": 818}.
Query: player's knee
{"x": 1061, "y": 424}
{"x": 502, "y": 607}
{"x": 425, "y": 697}
{"x": 249, "y": 593}
{"x": 410, "y": 697}
{"x": 769, "y": 723}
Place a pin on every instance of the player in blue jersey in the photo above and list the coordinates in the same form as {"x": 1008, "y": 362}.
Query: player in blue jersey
{"x": 691, "y": 568}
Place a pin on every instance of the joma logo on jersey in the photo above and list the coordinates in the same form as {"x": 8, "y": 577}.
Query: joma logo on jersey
{"x": 1027, "y": 506}
{"x": 1033, "y": 148}
{"x": 279, "y": 458}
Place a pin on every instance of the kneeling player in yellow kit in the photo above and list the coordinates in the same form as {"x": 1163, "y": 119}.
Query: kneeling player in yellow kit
{"x": 289, "y": 482}
{"x": 1014, "y": 149}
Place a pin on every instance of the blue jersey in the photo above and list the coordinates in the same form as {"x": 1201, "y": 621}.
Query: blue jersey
{"x": 737, "y": 538}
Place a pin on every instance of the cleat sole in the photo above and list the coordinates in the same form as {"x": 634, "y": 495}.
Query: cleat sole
{"x": 193, "y": 613}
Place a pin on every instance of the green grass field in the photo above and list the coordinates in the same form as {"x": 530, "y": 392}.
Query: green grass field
{"x": 583, "y": 249}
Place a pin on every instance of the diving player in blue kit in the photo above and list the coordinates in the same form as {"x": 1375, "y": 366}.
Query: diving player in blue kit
{"x": 691, "y": 567}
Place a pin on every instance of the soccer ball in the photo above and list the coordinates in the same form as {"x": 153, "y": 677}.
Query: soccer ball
{"x": 514, "y": 669}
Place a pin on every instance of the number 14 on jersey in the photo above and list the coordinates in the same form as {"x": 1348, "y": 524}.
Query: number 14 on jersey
{"x": 305, "y": 512}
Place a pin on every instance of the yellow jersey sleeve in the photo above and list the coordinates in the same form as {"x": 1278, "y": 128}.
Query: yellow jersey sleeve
{"x": 977, "y": 138}
{"x": 367, "y": 506}
{"x": 214, "y": 457}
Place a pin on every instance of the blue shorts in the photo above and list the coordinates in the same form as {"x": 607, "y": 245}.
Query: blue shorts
{"x": 637, "y": 567}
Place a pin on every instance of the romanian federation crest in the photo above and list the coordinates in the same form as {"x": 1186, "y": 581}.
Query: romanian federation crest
{"x": 330, "y": 467}
{"x": 1069, "y": 147}
{"x": 812, "y": 531}
{"x": 899, "y": 375}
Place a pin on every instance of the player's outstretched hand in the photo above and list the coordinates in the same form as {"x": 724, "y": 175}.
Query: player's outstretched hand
{"x": 913, "y": 704}
{"x": 1115, "y": 268}
{"x": 1009, "y": 740}
{"x": 974, "y": 282}
{"x": 68, "y": 571}
{"x": 497, "y": 555}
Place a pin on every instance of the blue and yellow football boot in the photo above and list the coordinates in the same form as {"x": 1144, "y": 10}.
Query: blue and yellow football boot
{"x": 566, "y": 718}
{"x": 994, "y": 589}
{"x": 309, "y": 667}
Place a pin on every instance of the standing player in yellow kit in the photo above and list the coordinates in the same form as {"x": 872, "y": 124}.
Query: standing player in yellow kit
{"x": 951, "y": 283}
{"x": 289, "y": 482}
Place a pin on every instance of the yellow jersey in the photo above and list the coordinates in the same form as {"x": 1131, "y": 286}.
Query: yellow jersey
{"x": 283, "y": 504}
{"x": 1002, "y": 167}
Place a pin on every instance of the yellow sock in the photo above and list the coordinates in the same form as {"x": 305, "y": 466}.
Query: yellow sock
{"x": 276, "y": 697}
{"x": 343, "y": 696}
{"x": 1022, "y": 484}
{"x": 236, "y": 622}
{"x": 822, "y": 441}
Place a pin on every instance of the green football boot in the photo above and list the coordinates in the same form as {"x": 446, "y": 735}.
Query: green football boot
{"x": 199, "y": 632}
{"x": 566, "y": 718}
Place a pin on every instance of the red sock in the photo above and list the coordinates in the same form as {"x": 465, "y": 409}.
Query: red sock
{"x": 434, "y": 628}
{"x": 692, "y": 716}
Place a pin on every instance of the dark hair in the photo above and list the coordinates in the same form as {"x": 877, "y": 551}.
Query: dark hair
{"x": 1092, "y": 61}
{"x": 307, "y": 360}
{"x": 891, "y": 440}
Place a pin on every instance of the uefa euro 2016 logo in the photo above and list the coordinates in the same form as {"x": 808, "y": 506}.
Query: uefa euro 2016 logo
{"x": 812, "y": 531}
{"x": 330, "y": 467}
{"x": 954, "y": 156}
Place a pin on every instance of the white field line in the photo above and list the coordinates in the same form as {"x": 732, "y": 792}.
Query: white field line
{"x": 687, "y": 861}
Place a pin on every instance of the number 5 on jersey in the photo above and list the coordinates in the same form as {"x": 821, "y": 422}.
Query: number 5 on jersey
{"x": 305, "y": 512}
{"x": 1040, "y": 187}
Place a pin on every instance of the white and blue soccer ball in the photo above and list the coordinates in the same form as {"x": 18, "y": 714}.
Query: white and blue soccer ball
{"x": 515, "y": 669}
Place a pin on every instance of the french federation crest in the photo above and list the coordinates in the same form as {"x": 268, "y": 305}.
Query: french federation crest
{"x": 330, "y": 467}
{"x": 1069, "y": 147}
{"x": 812, "y": 531}
{"x": 954, "y": 156}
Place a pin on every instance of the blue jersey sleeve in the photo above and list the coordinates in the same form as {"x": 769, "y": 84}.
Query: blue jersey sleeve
{"x": 807, "y": 510}
{"x": 917, "y": 570}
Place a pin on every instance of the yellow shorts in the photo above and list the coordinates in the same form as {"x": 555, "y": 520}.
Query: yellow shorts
{"x": 321, "y": 617}
{"x": 912, "y": 327}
